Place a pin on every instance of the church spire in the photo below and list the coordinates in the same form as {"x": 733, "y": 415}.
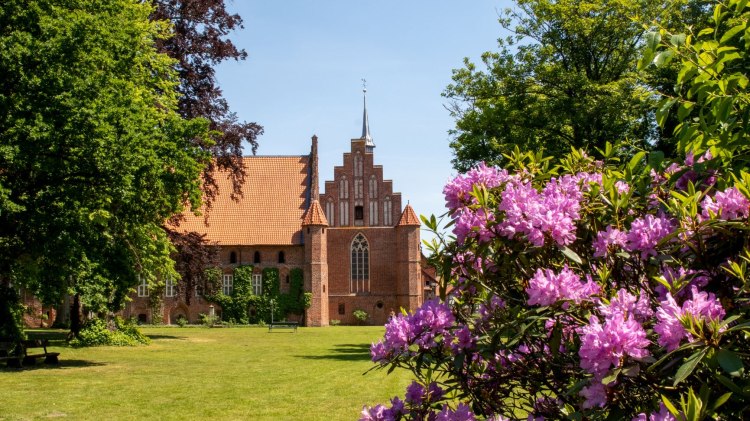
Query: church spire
{"x": 369, "y": 144}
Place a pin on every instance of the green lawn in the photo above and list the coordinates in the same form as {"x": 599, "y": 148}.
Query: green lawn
{"x": 199, "y": 373}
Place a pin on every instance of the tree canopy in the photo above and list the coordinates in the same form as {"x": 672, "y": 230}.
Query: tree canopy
{"x": 94, "y": 154}
{"x": 565, "y": 78}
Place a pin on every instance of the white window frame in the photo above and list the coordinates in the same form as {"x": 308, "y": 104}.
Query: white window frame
{"x": 169, "y": 288}
{"x": 142, "y": 287}
{"x": 257, "y": 283}
{"x": 227, "y": 284}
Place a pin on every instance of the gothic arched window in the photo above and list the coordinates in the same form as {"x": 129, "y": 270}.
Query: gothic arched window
{"x": 360, "y": 281}
{"x": 329, "y": 212}
{"x": 358, "y": 165}
{"x": 256, "y": 257}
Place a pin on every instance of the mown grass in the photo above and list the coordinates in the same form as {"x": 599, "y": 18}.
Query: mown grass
{"x": 200, "y": 373}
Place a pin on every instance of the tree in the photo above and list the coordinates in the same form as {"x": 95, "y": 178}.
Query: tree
{"x": 199, "y": 43}
{"x": 94, "y": 154}
{"x": 566, "y": 78}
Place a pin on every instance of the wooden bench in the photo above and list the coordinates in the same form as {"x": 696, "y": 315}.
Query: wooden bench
{"x": 283, "y": 325}
{"x": 30, "y": 359}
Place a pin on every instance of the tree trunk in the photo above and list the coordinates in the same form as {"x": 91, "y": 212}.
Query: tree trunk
{"x": 75, "y": 316}
{"x": 62, "y": 313}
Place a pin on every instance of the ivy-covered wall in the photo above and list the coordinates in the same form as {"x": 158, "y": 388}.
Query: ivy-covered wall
{"x": 243, "y": 306}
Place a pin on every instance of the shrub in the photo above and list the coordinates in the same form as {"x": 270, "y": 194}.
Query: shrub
{"x": 335, "y": 322}
{"x": 360, "y": 316}
{"x": 207, "y": 320}
{"x": 182, "y": 321}
{"x": 118, "y": 332}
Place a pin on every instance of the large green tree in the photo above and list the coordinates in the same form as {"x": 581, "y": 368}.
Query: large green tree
{"x": 565, "y": 78}
{"x": 94, "y": 155}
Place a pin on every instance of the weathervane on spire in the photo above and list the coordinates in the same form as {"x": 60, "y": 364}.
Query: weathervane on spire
{"x": 369, "y": 144}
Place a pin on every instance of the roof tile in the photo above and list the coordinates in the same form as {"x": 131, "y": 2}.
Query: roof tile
{"x": 408, "y": 217}
{"x": 314, "y": 215}
{"x": 270, "y": 210}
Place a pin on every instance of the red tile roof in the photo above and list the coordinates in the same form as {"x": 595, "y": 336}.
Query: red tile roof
{"x": 269, "y": 213}
{"x": 314, "y": 215}
{"x": 408, "y": 217}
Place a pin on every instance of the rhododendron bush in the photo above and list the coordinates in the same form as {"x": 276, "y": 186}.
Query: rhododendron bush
{"x": 587, "y": 289}
{"x": 598, "y": 288}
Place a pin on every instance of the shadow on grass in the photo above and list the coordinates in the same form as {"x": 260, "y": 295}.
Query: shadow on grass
{"x": 63, "y": 364}
{"x": 344, "y": 352}
{"x": 157, "y": 337}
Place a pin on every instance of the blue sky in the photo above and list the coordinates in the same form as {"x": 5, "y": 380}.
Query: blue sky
{"x": 303, "y": 76}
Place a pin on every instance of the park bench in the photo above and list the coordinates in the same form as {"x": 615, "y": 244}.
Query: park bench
{"x": 283, "y": 325}
{"x": 30, "y": 359}
{"x": 17, "y": 353}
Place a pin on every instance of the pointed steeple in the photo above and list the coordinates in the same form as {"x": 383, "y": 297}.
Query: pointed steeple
{"x": 408, "y": 217}
{"x": 369, "y": 144}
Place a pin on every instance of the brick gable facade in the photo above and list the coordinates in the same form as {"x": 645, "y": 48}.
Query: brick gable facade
{"x": 356, "y": 246}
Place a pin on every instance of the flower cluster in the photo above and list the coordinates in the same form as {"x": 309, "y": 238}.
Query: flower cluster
{"x": 727, "y": 205}
{"x": 536, "y": 215}
{"x": 458, "y": 191}
{"x": 701, "y": 307}
{"x": 646, "y": 232}
{"x": 548, "y": 287}
{"x": 429, "y": 323}
{"x": 607, "y": 345}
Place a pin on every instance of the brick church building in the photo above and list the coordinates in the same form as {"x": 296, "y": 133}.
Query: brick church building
{"x": 358, "y": 248}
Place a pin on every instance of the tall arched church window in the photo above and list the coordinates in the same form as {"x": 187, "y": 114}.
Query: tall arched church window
{"x": 387, "y": 212}
{"x": 344, "y": 188}
{"x": 358, "y": 188}
{"x": 373, "y": 212}
{"x": 282, "y": 257}
{"x": 358, "y": 165}
{"x": 360, "y": 281}
{"x": 330, "y": 210}
{"x": 256, "y": 257}
{"x": 233, "y": 257}
{"x": 344, "y": 213}
{"x": 373, "y": 188}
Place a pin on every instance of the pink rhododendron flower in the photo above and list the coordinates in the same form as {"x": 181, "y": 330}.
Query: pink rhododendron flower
{"x": 604, "y": 345}
{"x": 622, "y": 187}
{"x": 702, "y": 306}
{"x": 551, "y": 212}
{"x": 608, "y": 240}
{"x": 595, "y": 395}
{"x": 548, "y": 287}
{"x": 645, "y": 233}
{"x": 458, "y": 191}
{"x": 462, "y": 413}
{"x": 727, "y": 205}
{"x": 627, "y": 304}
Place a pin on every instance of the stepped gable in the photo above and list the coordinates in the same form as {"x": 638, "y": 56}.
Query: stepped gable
{"x": 314, "y": 215}
{"x": 270, "y": 211}
{"x": 408, "y": 217}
